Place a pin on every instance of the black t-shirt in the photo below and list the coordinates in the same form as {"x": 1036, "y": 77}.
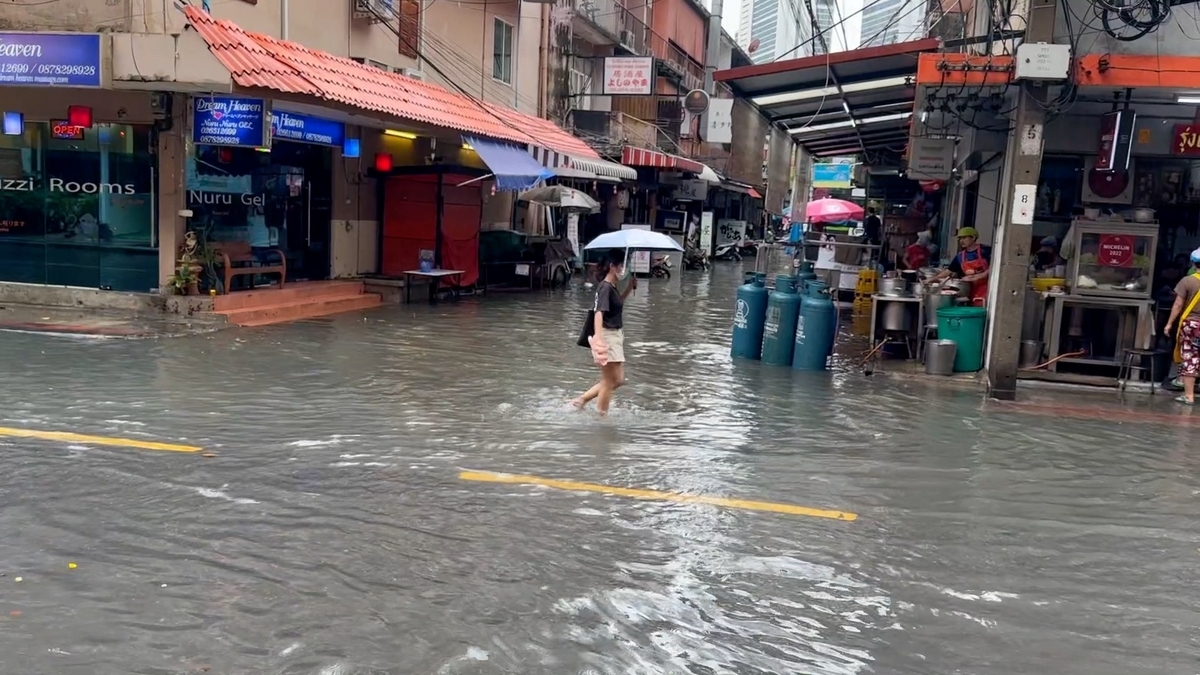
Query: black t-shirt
{"x": 610, "y": 304}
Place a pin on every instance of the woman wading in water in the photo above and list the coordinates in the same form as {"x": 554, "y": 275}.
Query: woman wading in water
{"x": 608, "y": 342}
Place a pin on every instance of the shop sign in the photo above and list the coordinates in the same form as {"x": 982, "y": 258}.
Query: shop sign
{"x": 832, "y": 175}
{"x": 730, "y": 231}
{"x": 719, "y": 127}
{"x": 229, "y": 120}
{"x": 50, "y": 59}
{"x": 65, "y": 131}
{"x": 706, "y": 231}
{"x": 692, "y": 190}
{"x": 1116, "y": 250}
{"x": 203, "y": 198}
{"x": 287, "y": 126}
{"x": 1186, "y": 140}
{"x": 68, "y": 186}
{"x": 628, "y": 76}
{"x": 931, "y": 159}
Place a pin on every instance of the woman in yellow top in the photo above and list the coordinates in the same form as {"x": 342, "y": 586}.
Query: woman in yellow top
{"x": 1186, "y": 310}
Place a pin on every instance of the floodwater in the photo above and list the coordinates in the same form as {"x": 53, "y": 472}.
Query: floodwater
{"x": 331, "y": 533}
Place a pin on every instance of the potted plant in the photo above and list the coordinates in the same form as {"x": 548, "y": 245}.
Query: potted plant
{"x": 184, "y": 281}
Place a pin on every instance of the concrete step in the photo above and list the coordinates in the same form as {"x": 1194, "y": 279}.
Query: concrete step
{"x": 307, "y": 308}
{"x": 303, "y": 290}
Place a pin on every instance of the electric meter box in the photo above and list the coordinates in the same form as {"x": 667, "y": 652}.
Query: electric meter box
{"x": 1043, "y": 61}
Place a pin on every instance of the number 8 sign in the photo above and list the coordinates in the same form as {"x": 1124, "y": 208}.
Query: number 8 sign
{"x": 1024, "y": 200}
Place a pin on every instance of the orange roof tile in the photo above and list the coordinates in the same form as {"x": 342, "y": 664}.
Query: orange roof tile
{"x": 261, "y": 61}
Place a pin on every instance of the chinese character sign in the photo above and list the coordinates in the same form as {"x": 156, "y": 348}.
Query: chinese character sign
{"x": 628, "y": 76}
{"x": 1186, "y": 140}
{"x": 720, "y": 121}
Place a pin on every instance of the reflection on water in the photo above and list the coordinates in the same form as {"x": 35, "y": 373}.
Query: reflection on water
{"x": 330, "y": 533}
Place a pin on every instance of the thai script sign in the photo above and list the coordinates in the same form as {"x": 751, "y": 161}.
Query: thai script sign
{"x": 1186, "y": 140}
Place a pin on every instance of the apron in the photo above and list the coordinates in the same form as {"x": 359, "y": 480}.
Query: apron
{"x": 1186, "y": 313}
{"x": 979, "y": 265}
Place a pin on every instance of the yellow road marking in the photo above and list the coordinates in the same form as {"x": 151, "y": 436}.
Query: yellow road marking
{"x": 658, "y": 495}
{"x": 68, "y": 437}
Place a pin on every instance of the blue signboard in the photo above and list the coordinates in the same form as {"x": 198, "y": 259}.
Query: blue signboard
{"x": 50, "y": 59}
{"x": 832, "y": 175}
{"x": 288, "y": 126}
{"x": 229, "y": 120}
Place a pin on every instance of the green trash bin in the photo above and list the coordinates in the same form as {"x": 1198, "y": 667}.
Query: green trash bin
{"x": 964, "y": 325}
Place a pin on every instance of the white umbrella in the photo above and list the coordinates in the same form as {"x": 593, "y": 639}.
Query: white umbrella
{"x": 561, "y": 196}
{"x": 640, "y": 240}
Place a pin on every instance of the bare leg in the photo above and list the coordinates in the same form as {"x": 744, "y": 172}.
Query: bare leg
{"x": 588, "y": 395}
{"x": 614, "y": 377}
{"x": 1189, "y": 388}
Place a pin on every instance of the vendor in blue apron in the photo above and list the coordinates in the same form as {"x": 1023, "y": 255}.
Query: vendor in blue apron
{"x": 972, "y": 264}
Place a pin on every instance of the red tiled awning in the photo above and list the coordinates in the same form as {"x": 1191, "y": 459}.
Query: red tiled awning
{"x": 263, "y": 62}
{"x": 631, "y": 156}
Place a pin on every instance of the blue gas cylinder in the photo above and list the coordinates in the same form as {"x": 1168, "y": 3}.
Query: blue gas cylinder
{"x": 805, "y": 275}
{"x": 779, "y": 332}
{"x": 815, "y": 329}
{"x": 749, "y": 317}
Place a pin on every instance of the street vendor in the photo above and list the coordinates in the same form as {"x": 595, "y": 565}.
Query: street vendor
{"x": 971, "y": 264}
{"x": 917, "y": 255}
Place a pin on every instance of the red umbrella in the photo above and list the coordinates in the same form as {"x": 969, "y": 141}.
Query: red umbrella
{"x": 831, "y": 210}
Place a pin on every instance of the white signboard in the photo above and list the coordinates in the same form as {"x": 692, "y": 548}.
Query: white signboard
{"x": 628, "y": 76}
{"x": 706, "y": 231}
{"x": 639, "y": 261}
{"x": 573, "y": 231}
{"x": 720, "y": 121}
{"x": 730, "y": 231}
{"x": 1024, "y": 199}
{"x": 692, "y": 190}
{"x": 931, "y": 158}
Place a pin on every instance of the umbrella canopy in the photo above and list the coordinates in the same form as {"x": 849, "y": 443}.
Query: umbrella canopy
{"x": 641, "y": 240}
{"x": 561, "y": 196}
{"x": 831, "y": 210}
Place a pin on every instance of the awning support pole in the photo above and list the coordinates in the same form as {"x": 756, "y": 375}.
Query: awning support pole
{"x": 1010, "y": 255}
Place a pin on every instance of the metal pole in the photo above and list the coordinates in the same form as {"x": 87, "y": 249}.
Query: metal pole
{"x": 712, "y": 54}
{"x": 1010, "y": 255}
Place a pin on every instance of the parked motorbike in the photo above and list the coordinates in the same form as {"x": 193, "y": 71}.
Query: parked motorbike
{"x": 748, "y": 249}
{"x": 660, "y": 268}
{"x": 695, "y": 259}
{"x": 728, "y": 252}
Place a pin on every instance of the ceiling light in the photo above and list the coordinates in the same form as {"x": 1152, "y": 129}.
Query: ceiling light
{"x": 862, "y": 121}
{"x": 846, "y": 107}
{"x": 821, "y": 92}
{"x": 1188, "y": 99}
{"x": 400, "y": 134}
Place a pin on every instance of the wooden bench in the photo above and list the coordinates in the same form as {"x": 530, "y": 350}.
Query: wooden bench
{"x": 239, "y": 260}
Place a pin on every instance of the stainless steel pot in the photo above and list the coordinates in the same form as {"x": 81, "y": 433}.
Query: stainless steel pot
{"x": 895, "y": 287}
{"x": 895, "y": 316}
{"x": 933, "y": 302}
{"x": 961, "y": 288}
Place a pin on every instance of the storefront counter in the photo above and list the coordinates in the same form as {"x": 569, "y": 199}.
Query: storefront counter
{"x": 1077, "y": 323}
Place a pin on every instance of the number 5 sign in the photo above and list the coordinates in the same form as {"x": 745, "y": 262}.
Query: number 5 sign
{"x": 1024, "y": 199}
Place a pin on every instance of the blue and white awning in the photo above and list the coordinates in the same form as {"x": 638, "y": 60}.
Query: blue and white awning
{"x": 567, "y": 166}
{"x": 511, "y": 166}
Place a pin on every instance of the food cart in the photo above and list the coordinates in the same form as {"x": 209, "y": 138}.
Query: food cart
{"x": 1109, "y": 307}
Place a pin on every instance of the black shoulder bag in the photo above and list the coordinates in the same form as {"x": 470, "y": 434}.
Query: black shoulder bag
{"x": 589, "y": 325}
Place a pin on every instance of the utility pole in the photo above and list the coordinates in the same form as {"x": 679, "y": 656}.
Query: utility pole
{"x": 712, "y": 54}
{"x": 1010, "y": 255}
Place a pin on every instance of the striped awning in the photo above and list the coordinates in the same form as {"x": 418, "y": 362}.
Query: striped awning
{"x": 568, "y": 166}
{"x": 659, "y": 160}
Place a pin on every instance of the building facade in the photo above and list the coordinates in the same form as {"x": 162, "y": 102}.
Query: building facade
{"x": 886, "y": 22}
{"x": 775, "y": 29}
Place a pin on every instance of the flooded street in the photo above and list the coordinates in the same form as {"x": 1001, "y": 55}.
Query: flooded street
{"x": 333, "y": 533}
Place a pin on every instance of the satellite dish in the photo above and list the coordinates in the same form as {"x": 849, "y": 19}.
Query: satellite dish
{"x": 754, "y": 45}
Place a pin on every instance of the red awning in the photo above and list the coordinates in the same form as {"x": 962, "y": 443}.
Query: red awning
{"x": 631, "y": 156}
{"x": 263, "y": 62}
{"x": 754, "y": 193}
{"x": 843, "y": 103}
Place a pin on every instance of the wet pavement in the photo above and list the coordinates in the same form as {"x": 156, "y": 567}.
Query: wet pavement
{"x": 325, "y": 528}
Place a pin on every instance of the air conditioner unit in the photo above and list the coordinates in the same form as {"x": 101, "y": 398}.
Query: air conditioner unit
{"x": 373, "y": 11}
{"x": 411, "y": 72}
